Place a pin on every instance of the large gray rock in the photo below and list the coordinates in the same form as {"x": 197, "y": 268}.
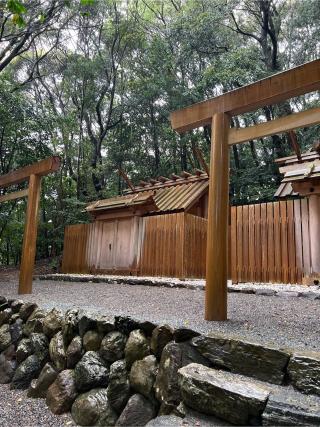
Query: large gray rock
{"x": 112, "y": 346}
{"x": 231, "y": 397}
{"x": 39, "y": 387}
{"x": 143, "y": 375}
{"x": 40, "y": 346}
{"x": 8, "y": 365}
{"x": 91, "y": 341}
{"x": 105, "y": 325}
{"x": 87, "y": 322}
{"x": 16, "y": 331}
{"x": 34, "y": 322}
{"x": 119, "y": 386}
{"x": 137, "y": 412}
{"x": 62, "y": 392}
{"x": 137, "y": 347}
{"x": 304, "y": 371}
{"x": 174, "y": 357}
{"x": 5, "y": 316}
{"x": 70, "y": 326}
{"x": 5, "y": 337}
{"x": 26, "y": 310}
{"x": 52, "y": 323}
{"x": 57, "y": 351}
{"x": 127, "y": 324}
{"x": 161, "y": 336}
{"x": 26, "y": 372}
{"x": 16, "y": 305}
{"x": 24, "y": 349}
{"x": 265, "y": 363}
{"x": 287, "y": 408}
{"x": 93, "y": 408}
{"x": 91, "y": 372}
{"x": 74, "y": 352}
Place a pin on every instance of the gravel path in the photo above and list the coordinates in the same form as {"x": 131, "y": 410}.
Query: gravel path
{"x": 17, "y": 410}
{"x": 285, "y": 322}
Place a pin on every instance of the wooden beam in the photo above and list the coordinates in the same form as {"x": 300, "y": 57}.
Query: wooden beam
{"x": 30, "y": 236}
{"x": 272, "y": 90}
{"x": 44, "y": 167}
{"x": 217, "y": 237}
{"x": 13, "y": 196}
{"x": 281, "y": 125}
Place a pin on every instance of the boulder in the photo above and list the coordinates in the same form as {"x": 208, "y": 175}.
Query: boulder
{"x": 5, "y": 316}
{"x": 91, "y": 372}
{"x": 40, "y": 346}
{"x": 87, "y": 322}
{"x": 70, "y": 326}
{"x": 105, "y": 325}
{"x": 93, "y": 408}
{"x": 112, "y": 346}
{"x": 62, "y": 392}
{"x": 16, "y": 305}
{"x": 287, "y": 408}
{"x": 138, "y": 412}
{"x": 39, "y": 387}
{"x": 166, "y": 421}
{"x": 57, "y": 351}
{"x": 24, "y": 349}
{"x": 16, "y": 331}
{"x": 26, "y": 372}
{"x": 233, "y": 398}
{"x": 265, "y": 363}
{"x": 92, "y": 341}
{"x": 4, "y": 305}
{"x": 161, "y": 336}
{"x": 127, "y": 324}
{"x": 304, "y": 371}
{"x": 137, "y": 347}
{"x": 74, "y": 352}
{"x": 14, "y": 318}
{"x": 174, "y": 357}
{"x": 143, "y": 375}
{"x": 5, "y": 337}
{"x": 8, "y": 365}
{"x": 119, "y": 386}
{"x": 184, "y": 334}
{"x": 26, "y": 310}
{"x": 52, "y": 323}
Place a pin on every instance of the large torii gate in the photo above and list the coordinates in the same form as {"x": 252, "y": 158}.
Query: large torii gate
{"x": 32, "y": 173}
{"x": 217, "y": 112}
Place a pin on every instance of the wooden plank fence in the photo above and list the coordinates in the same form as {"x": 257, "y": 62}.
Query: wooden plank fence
{"x": 268, "y": 242}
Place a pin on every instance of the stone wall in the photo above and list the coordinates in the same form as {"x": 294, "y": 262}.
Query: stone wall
{"x": 127, "y": 372}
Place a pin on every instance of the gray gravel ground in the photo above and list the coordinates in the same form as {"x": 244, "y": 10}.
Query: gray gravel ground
{"x": 17, "y": 410}
{"x": 284, "y": 322}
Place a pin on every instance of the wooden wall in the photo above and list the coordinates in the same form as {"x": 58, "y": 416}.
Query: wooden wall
{"x": 269, "y": 242}
{"x": 74, "y": 258}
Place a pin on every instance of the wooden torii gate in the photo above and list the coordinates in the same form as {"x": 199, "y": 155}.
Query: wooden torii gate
{"x": 33, "y": 174}
{"x": 217, "y": 112}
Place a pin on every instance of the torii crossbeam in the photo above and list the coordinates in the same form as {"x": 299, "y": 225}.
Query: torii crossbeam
{"x": 217, "y": 112}
{"x": 33, "y": 174}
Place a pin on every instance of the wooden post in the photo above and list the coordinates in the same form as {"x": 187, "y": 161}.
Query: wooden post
{"x": 314, "y": 221}
{"x": 30, "y": 236}
{"x": 217, "y": 237}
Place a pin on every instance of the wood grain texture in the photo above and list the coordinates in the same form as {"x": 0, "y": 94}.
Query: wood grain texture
{"x": 217, "y": 237}
{"x": 44, "y": 167}
{"x": 30, "y": 236}
{"x": 272, "y": 90}
{"x": 15, "y": 195}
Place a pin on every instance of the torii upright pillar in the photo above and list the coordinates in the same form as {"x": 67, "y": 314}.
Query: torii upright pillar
{"x": 33, "y": 174}
{"x": 216, "y": 112}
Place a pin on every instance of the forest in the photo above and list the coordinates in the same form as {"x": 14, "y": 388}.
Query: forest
{"x": 94, "y": 81}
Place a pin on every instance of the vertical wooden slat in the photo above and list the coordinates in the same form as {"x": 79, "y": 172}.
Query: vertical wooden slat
{"x": 233, "y": 245}
{"x": 264, "y": 243}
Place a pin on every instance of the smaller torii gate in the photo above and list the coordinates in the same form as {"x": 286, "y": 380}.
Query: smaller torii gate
{"x": 217, "y": 112}
{"x": 32, "y": 173}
